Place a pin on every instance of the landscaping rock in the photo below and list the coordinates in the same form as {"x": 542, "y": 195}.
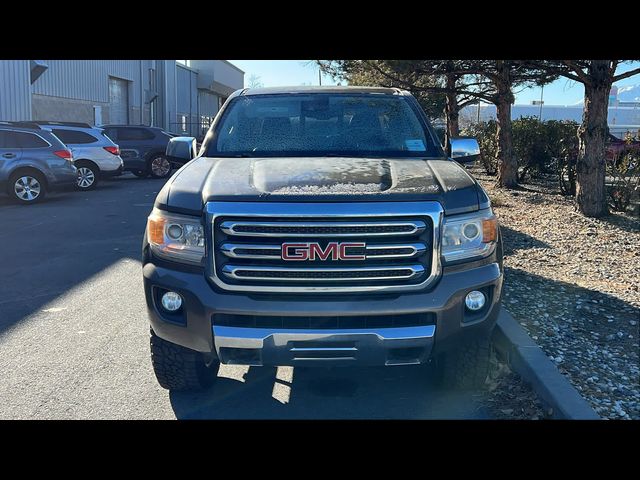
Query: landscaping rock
{"x": 572, "y": 283}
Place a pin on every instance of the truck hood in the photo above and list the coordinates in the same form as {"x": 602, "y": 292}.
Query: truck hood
{"x": 324, "y": 179}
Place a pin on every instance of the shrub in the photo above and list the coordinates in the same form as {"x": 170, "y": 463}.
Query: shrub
{"x": 485, "y": 133}
{"x": 624, "y": 174}
{"x": 530, "y": 146}
{"x": 536, "y": 144}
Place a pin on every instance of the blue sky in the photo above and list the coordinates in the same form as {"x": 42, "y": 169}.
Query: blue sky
{"x": 297, "y": 72}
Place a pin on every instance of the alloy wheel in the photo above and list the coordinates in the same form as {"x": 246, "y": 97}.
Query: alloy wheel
{"x": 86, "y": 177}
{"x": 160, "y": 166}
{"x": 27, "y": 188}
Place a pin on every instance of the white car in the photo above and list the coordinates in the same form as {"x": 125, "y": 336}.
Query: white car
{"x": 95, "y": 155}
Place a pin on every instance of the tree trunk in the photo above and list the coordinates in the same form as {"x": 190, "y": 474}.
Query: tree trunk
{"x": 591, "y": 194}
{"x": 452, "y": 112}
{"x": 507, "y": 164}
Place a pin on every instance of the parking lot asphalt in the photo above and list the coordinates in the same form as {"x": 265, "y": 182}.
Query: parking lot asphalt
{"x": 74, "y": 333}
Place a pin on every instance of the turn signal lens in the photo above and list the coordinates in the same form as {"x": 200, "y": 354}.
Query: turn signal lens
{"x": 489, "y": 230}
{"x": 155, "y": 230}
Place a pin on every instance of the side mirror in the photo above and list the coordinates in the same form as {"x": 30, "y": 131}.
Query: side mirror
{"x": 181, "y": 149}
{"x": 465, "y": 149}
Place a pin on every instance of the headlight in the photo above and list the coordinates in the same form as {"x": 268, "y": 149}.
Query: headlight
{"x": 176, "y": 237}
{"x": 466, "y": 236}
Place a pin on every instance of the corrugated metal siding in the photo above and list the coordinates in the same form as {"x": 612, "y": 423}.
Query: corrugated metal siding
{"x": 187, "y": 98}
{"x": 208, "y": 104}
{"x": 87, "y": 79}
{"x": 166, "y": 86}
{"x": 15, "y": 90}
{"x": 183, "y": 90}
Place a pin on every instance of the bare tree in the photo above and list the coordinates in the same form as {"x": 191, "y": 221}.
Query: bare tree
{"x": 463, "y": 82}
{"x": 254, "y": 81}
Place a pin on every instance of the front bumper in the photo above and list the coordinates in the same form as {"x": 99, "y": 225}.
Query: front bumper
{"x": 384, "y": 346}
{"x": 265, "y": 346}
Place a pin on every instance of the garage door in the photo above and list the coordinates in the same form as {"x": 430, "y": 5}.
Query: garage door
{"x": 118, "y": 101}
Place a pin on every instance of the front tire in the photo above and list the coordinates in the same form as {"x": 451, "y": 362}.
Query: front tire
{"x": 181, "y": 369}
{"x": 87, "y": 176}
{"x": 27, "y": 188}
{"x": 467, "y": 366}
{"x": 159, "y": 166}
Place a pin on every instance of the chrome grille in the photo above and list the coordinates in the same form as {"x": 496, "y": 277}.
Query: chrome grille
{"x": 401, "y": 253}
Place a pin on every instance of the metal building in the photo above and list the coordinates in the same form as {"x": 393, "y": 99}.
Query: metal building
{"x": 179, "y": 96}
{"x": 620, "y": 118}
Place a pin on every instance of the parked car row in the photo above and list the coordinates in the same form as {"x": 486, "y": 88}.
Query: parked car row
{"x": 41, "y": 156}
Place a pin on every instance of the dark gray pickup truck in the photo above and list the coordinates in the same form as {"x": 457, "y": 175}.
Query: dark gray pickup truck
{"x": 321, "y": 226}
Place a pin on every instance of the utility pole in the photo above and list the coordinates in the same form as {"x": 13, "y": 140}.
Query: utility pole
{"x": 479, "y": 102}
{"x": 319, "y": 77}
{"x": 541, "y": 103}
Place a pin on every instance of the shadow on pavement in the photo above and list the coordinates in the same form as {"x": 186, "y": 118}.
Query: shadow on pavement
{"x": 322, "y": 393}
{"x": 51, "y": 247}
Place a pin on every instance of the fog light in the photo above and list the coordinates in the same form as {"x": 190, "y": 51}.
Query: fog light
{"x": 475, "y": 300}
{"x": 171, "y": 301}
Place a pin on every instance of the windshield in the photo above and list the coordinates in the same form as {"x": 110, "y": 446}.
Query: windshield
{"x": 321, "y": 125}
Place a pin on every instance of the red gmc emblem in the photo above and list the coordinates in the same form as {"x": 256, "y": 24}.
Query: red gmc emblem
{"x": 300, "y": 252}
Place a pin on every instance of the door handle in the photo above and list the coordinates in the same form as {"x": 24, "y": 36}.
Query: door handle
{"x": 9, "y": 155}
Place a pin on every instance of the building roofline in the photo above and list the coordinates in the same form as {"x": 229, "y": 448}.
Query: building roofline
{"x": 234, "y": 66}
{"x": 186, "y": 67}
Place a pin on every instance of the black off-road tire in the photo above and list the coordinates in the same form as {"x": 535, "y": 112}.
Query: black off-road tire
{"x": 466, "y": 367}
{"x": 180, "y": 369}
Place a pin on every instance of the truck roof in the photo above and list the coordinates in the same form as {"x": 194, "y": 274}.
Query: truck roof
{"x": 318, "y": 89}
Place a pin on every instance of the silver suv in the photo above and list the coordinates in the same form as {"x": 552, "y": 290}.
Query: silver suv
{"x": 96, "y": 155}
{"x": 32, "y": 162}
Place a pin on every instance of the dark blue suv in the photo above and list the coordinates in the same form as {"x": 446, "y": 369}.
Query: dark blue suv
{"x": 142, "y": 149}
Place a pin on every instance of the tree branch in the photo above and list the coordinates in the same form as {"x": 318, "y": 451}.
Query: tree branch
{"x": 580, "y": 75}
{"x": 628, "y": 74}
{"x": 465, "y": 103}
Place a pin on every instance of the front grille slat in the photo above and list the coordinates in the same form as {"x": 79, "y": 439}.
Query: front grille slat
{"x": 314, "y": 274}
{"x": 322, "y": 229}
{"x": 372, "y": 251}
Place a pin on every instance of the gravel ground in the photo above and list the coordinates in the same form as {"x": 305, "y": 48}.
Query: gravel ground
{"x": 572, "y": 282}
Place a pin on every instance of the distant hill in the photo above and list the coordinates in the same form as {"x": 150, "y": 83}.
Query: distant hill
{"x": 628, "y": 93}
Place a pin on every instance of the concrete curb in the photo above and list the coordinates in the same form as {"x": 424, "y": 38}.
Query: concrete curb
{"x": 528, "y": 360}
